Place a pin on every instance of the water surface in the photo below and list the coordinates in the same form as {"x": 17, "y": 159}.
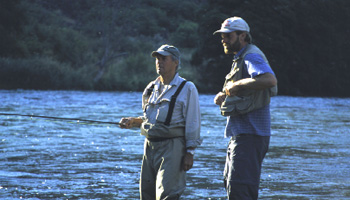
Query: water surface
{"x": 309, "y": 155}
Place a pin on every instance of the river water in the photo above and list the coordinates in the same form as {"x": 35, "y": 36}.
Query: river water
{"x": 309, "y": 156}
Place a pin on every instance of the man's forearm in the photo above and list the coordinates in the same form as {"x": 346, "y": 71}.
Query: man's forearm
{"x": 257, "y": 83}
{"x": 137, "y": 121}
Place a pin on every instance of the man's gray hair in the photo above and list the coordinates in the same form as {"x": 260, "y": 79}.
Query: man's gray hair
{"x": 174, "y": 58}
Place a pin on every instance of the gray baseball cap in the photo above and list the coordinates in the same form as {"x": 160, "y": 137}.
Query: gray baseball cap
{"x": 233, "y": 24}
{"x": 167, "y": 50}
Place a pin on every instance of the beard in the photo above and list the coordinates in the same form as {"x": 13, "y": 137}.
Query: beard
{"x": 233, "y": 48}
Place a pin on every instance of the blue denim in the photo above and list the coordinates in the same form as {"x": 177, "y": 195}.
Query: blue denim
{"x": 245, "y": 154}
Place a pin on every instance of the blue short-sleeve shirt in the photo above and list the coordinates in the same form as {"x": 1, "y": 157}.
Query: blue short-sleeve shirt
{"x": 257, "y": 122}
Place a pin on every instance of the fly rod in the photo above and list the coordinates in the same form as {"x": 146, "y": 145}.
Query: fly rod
{"x": 61, "y": 118}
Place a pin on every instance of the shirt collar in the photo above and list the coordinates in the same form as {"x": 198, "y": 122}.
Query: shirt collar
{"x": 176, "y": 80}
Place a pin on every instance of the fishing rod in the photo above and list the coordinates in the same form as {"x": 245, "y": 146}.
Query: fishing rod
{"x": 61, "y": 118}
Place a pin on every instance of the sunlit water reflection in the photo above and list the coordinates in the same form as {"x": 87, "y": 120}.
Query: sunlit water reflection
{"x": 53, "y": 159}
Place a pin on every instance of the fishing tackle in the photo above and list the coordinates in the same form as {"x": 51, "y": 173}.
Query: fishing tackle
{"x": 61, "y": 118}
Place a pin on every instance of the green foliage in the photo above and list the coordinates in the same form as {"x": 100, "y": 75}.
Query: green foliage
{"x": 39, "y": 73}
{"x": 303, "y": 40}
{"x": 11, "y": 21}
{"x": 125, "y": 75}
{"x": 148, "y": 22}
{"x": 64, "y": 44}
{"x": 186, "y": 35}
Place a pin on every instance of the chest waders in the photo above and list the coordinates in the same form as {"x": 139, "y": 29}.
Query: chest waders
{"x": 161, "y": 174}
{"x": 162, "y": 131}
{"x": 172, "y": 103}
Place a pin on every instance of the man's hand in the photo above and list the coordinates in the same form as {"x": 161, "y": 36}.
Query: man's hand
{"x": 219, "y": 98}
{"x": 231, "y": 89}
{"x": 187, "y": 162}
{"x": 126, "y": 122}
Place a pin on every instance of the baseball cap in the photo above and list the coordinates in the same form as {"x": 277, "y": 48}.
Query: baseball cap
{"x": 167, "y": 50}
{"x": 233, "y": 24}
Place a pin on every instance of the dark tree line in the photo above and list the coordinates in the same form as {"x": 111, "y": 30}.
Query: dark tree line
{"x": 305, "y": 41}
{"x": 106, "y": 44}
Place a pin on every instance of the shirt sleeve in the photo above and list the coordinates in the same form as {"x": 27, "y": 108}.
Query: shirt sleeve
{"x": 256, "y": 65}
{"x": 192, "y": 118}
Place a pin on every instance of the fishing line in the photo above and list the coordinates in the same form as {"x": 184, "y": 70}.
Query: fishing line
{"x": 61, "y": 118}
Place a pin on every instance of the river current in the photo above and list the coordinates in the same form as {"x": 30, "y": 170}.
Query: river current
{"x": 309, "y": 155}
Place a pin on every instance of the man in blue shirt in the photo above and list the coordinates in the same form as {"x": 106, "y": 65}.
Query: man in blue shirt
{"x": 245, "y": 101}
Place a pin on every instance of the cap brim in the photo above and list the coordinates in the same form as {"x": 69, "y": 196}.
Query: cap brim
{"x": 224, "y": 30}
{"x": 163, "y": 53}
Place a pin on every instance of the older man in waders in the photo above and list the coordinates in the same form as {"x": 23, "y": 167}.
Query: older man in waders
{"x": 245, "y": 100}
{"x": 171, "y": 124}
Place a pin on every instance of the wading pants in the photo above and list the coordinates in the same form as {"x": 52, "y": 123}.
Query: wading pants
{"x": 162, "y": 177}
{"x": 245, "y": 154}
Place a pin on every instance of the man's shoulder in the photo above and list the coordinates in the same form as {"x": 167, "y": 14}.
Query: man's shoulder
{"x": 253, "y": 57}
{"x": 191, "y": 87}
{"x": 252, "y": 49}
{"x": 253, "y": 53}
{"x": 150, "y": 84}
{"x": 188, "y": 84}
{"x": 149, "y": 88}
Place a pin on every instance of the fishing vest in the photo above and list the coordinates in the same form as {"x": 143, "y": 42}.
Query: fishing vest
{"x": 164, "y": 130}
{"x": 247, "y": 100}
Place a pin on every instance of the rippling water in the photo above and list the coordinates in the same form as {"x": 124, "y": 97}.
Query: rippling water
{"x": 309, "y": 156}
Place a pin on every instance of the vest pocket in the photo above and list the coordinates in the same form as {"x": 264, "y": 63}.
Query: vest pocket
{"x": 162, "y": 111}
{"x": 235, "y": 105}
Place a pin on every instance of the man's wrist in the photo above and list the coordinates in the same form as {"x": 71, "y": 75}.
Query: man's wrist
{"x": 136, "y": 121}
{"x": 191, "y": 151}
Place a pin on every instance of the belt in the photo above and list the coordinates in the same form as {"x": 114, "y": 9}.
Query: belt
{"x": 160, "y": 139}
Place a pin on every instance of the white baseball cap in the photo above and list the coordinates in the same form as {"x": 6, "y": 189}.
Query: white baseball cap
{"x": 233, "y": 24}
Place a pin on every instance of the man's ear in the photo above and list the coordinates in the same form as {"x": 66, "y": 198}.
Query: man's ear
{"x": 242, "y": 36}
{"x": 177, "y": 62}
